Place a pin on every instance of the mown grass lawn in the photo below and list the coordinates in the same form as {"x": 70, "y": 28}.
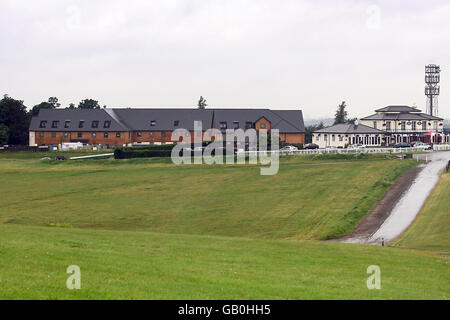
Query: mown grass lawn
{"x": 431, "y": 229}
{"x": 144, "y": 265}
{"x": 307, "y": 199}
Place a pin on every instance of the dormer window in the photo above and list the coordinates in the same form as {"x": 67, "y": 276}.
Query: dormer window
{"x": 43, "y": 124}
{"x": 107, "y": 124}
{"x": 67, "y": 124}
{"x": 152, "y": 123}
{"x": 95, "y": 124}
{"x": 176, "y": 123}
{"x": 248, "y": 124}
{"x": 223, "y": 125}
{"x": 236, "y": 124}
{"x": 55, "y": 124}
{"x": 262, "y": 126}
{"x": 81, "y": 124}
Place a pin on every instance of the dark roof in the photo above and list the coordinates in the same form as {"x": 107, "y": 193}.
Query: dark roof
{"x": 137, "y": 119}
{"x": 401, "y": 116}
{"x": 75, "y": 116}
{"x": 345, "y": 128}
{"x": 287, "y": 121}
{"x": 164, "y": 119}
{"x": 398, "y": 109}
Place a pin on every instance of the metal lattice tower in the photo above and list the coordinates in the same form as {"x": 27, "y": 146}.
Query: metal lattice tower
{"x": 432, "y": 88}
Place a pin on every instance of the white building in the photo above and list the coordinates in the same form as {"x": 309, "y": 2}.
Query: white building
{"x": 407, "y": 124}
{"x": 342, "y": 135}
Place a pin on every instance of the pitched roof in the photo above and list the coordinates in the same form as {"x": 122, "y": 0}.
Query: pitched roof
{"x": 347, "y": 128}
{"x": 75, "y": 116}
{"x": 401, "y": 116}
{"x": 398, "y": 109}
{"x": 287, "y": 121}
{"x": 137, "y": 119}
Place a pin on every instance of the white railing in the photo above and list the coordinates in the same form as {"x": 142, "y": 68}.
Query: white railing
{"x": 342, "y": 151}
{"x": 441, "y": 147}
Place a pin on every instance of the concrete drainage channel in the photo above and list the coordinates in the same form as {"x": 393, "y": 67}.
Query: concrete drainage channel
{"x": 387, "y": 221}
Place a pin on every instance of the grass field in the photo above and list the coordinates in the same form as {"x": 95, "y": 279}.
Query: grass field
{"x": 201, "y": 232}
{"x": 305, "y": 200}
{"x": 431, "y": 229}
{"x": 144, "y": 265}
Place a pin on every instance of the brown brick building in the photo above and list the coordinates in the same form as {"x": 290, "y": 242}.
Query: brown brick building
{"x": 112, "y": 127}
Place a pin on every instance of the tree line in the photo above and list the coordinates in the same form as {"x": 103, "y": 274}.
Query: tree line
{"x": 15, "y": 118}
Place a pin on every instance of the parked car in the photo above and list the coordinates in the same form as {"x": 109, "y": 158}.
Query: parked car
{"x": 356, "y": 146}
{"x": 289, "y": 148}
{"x": 426, "y": 146}
{"x": 311, "y": 146}
{"x": 402, "y": 145}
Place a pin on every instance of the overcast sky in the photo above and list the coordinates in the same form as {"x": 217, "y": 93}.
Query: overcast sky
{"x": 280, "y": 54}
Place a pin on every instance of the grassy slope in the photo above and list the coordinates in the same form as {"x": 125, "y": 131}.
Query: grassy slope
{"x": 304, "y": 200}
{"x": 431, "y": 229}
{"x": 131, "y": 265}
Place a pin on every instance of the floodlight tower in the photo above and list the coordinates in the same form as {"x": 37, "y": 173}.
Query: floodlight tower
{"x": 432, "y": 88}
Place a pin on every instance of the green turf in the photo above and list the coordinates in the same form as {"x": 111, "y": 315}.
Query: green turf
{"x": 431, "y": 229}
{"x": 144, "y": 265}
{"x": 305, "y": 200}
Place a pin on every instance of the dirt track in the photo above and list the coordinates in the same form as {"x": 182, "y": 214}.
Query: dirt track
{"x": 394, "y": 213}
{"x": 382, "y": 209}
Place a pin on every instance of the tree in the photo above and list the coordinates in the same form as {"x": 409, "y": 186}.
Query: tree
{"x": 340, "y": 115}
{"x": 13, "y": 115}
{"x": 89, "y": 104}
{"x": 71, "y": 106}
{"x": 202, "y": 103}
{"x": 4, "y": 134}
{"x": 310, "y": 129}
{"x": 54, "y": 102}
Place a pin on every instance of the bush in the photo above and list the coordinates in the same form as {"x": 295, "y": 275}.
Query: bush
{"x": 129, "y": 153}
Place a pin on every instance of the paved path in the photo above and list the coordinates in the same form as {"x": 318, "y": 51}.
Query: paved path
{"x": 412, "y": 201}
{"x": 406, "y": 207}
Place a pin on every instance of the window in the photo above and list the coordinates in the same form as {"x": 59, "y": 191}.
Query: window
{"x": 413, "y": 125}
{"x": 43, "y": 124}
{"x": 176, "y": 123}
{"x": 107, "y": 124}
{"x": 333, "y": 137}
{"x": 375, "y": 124}
{"x": 105, "y": 135}
{"x": 236, "y": 124}
{"x": 53, "y": 134}
{"x": 403, "y": 125}
{"x": 79, "y": 134}
{"x": 118, "y": 134}
{"x": 81, "y": 124}
{"x": 94, "y": 134}
{"x": 152, "y": 123}
{"x": 66, "y": 134}
{"x": 95, "y": 124}
{"x": 163, "y": 134}
{"x": 41, "y": 134}
{"x": 67, "y": 124}
{"x": 248, "y": 124}
{"x": 262, "y": 125}
{"x": 55, "y": 124}
{"x": 317, "y": 138}
{"x": 139, "y": 134}
{"x": 424, "y": 125}
{"x": 151, "y": 133}
{"x": 341, "y": 138}
{"x": 388, "y": 125}
{"x": 223, "y": 125}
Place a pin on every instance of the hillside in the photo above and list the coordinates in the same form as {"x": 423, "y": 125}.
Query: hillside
{"x": 306, "y": 200}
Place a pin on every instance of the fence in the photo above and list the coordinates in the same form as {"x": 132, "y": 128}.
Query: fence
{"x": 351, "y": 151}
